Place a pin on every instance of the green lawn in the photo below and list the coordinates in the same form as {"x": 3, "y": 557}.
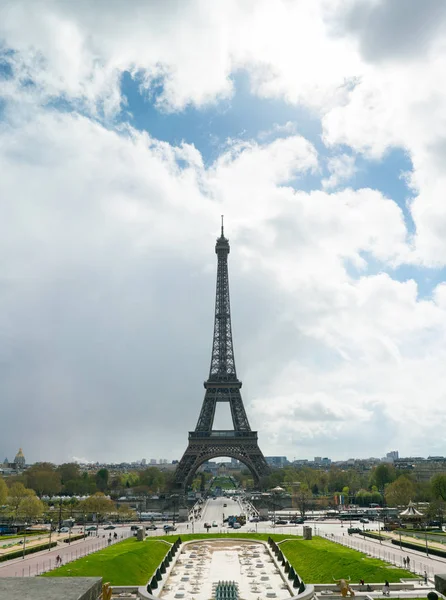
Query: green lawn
{"x": 319, "y": 560}
{"x": 127, "y": 563}
{"x": 225, "y": 483}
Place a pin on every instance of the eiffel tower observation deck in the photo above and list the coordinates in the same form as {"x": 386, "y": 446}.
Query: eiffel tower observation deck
{"x": 222, "y": 385}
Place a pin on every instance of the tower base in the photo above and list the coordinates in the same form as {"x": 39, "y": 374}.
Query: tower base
{"x": 204, "y": 446}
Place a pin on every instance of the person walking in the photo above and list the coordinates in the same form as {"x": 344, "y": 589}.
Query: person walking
{"x": 425, "y": 577}
{"x": 404, "y": 561}
{"x": 386, "y": 588}
{"x": 408, "y": 562}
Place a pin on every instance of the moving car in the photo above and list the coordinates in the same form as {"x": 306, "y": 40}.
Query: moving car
{"x": 64, "y": 530}
{"x": 109, "y": 527}
{"x": 363, "y": 520}
{"x": 169, "y": 527}
{"x": 151, "y": 527}
{"x": 91, "y": 528}
{"x": 214, "y": 524}
{"x": 236, "y": 525}
{"x": 225, "y": 504}
{"x": 281, "y": 522}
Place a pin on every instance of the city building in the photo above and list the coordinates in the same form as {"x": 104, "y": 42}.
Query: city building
{"x": 19, "y": 459}
{"x": 277, "y": 462}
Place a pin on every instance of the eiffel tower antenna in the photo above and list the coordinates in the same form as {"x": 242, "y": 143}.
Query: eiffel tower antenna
{"x": 222, "y": 385}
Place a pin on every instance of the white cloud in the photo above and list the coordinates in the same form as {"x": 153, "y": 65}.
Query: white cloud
{"x": 341, "y": 168}
{"x": 106, "y": 294}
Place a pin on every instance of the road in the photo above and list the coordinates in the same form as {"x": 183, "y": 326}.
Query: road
{"x": 214, "y": 510}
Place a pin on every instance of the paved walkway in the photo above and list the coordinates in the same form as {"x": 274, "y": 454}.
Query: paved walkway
{"x": 41, "y": 562}
{"x": 387, "y": 551}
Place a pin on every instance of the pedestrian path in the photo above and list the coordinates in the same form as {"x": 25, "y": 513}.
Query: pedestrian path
{"x": 418, "y": 563}
{"x": 41, "y": 562}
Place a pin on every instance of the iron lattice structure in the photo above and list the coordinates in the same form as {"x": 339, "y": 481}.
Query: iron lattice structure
{"x": 222, "y": 386}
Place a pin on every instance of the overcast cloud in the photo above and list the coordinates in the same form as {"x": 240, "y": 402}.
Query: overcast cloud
{"x": 107, "y": 232}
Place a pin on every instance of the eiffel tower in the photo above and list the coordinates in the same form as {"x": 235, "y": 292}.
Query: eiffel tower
{"x": 222, "y": 386}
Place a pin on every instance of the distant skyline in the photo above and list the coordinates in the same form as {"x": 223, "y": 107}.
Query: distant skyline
{"x": 317, "y": 128}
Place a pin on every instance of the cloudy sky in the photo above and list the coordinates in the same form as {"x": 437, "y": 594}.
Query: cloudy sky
{"x": 317, "y": 127}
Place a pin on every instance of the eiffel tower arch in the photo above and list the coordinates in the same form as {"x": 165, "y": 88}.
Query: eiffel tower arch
{"x": 222, "y": 385}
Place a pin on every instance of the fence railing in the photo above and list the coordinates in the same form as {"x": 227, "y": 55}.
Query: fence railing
{"x": 67, "y": 555}
{"x": 389, "y": 554}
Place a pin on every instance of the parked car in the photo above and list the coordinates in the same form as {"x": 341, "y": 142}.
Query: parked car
{"x": 109, "y": 527}
{"x": 169, "y": 527}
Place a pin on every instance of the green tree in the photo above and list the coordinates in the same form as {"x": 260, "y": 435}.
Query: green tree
{"x": 126, "y": 513}
{"x": 437, "y": 511}
{"x": 102, "y": 480}
{"x": 302, "y": 499}
{"x": 382, "y": 475}
{"x": 43, "y": 479}
{"x": 400, "y": 492}
{"x": 69, "y": 472}
{"x": 438, "y": 486}
{"x": 17, "y": 493}
{"x": 31, "y": 508}
{"x": 3, "y": 492}
{"x": 97, "y": 504}
{"x": 153, "y": 478}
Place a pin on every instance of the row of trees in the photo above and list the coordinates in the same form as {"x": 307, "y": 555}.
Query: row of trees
{"x": 383, "y": 484}
{"x": 47, "y": 479}
{"x": 21, "y": 504}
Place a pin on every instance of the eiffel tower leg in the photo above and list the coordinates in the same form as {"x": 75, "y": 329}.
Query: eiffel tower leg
{"x": 243, "y": 448}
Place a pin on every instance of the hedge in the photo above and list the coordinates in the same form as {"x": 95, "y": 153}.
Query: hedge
{"x": 420, "y": 548}
{"x": 73, "y": 538}
{"x": 31, "y": 550}
{"x": 375, "y": 536}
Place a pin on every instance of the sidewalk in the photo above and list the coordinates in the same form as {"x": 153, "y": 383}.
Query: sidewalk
{"x": 41, "y": 562}
{"x": 392, "y": 554}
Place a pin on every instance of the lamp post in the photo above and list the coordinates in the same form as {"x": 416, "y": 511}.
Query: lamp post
{"x": 379, "y": 531}
{"x": 24, "y": 540}
{"x": 401, "y": 545}
{"x": 425, "y": 535}
{"x": 51, "y": 530}
{"x": 85, "y": 526}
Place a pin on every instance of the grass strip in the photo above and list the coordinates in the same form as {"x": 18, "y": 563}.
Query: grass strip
{"x": 126, "y": 563}
{"x": 319, "y": 560}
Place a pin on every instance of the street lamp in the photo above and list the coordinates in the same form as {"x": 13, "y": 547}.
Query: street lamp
{"x": 425, "y": 534}
{"x": 85, "y": 526}
{"x": 51, "y": 530}
{"x": 379, "y": 531}
{"x": 24, "y": 540}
